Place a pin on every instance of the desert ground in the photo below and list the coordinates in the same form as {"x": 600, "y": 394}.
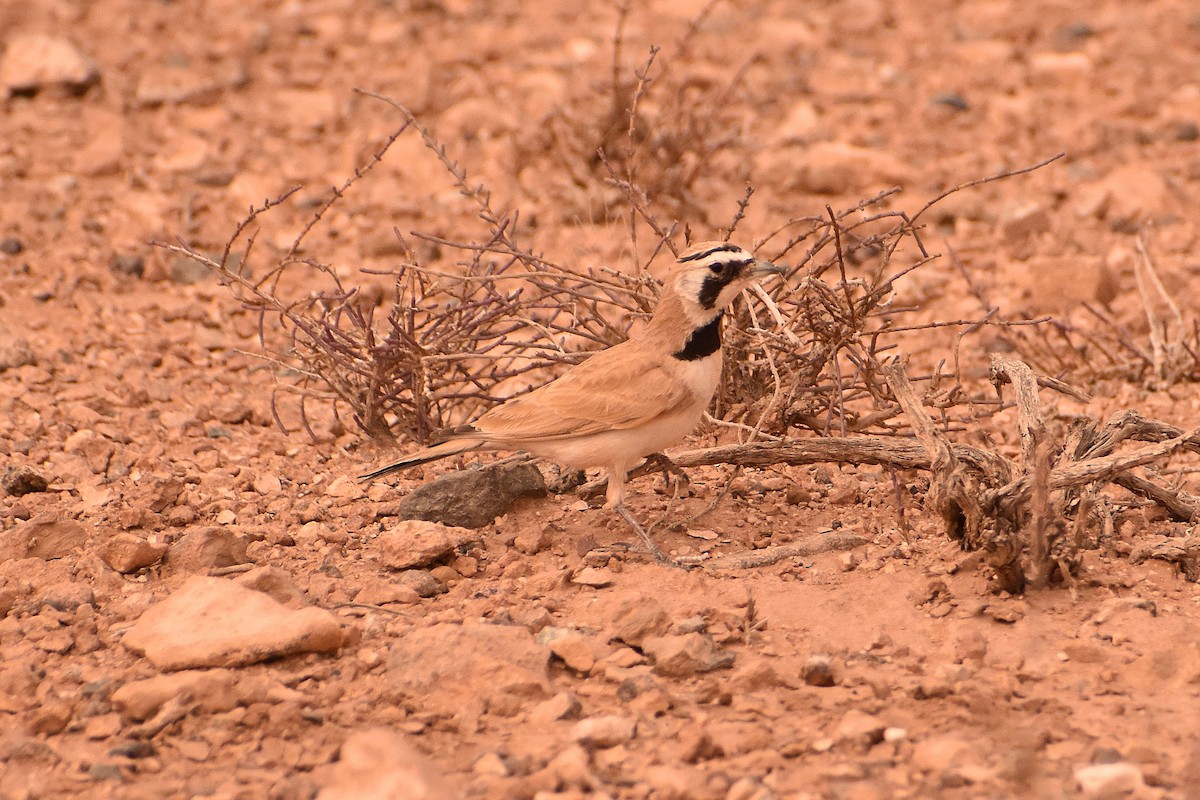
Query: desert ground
{"x": 196, "y": 603}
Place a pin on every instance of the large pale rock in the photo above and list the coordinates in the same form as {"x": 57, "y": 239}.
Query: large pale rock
{"x": 1133, "y": 194}
{"x": 42, "y": 537}
{"x": 380, "y": 764}
{"x": 685, "y": 655}
{"x": 210, "y": 689}
{"x": 418, "y": 543}
{"x": 1102, "y": 781}
{"x": 33, "y": 62}
{"x": 209, "y": 622}
{"x": 127, "y": 553}
{"x": 203, "y": 549}
{"x": 207, "y": 690}
{"x": 639, "y": 618}
{"x": 446, "y": 667}
{"x": 1061, "y": 283}
{"x": 859, "y": 729}
{"x": 841, "y": 168}
{"x": 608, "y": 730}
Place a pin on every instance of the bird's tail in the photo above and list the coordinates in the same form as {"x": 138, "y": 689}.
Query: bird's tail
{"x": 448, "y": 448}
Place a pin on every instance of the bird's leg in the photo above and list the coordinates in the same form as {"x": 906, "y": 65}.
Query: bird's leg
{"x": 615, "y": 500}
{"x": 659, "y": 555}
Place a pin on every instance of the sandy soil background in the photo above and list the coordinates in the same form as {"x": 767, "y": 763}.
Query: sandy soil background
{"x": 193, "y": 604}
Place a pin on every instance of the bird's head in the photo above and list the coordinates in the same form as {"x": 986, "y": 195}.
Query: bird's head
{"x": 709, "y": 275}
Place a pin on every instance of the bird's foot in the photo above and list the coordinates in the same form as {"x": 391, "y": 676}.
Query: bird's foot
{"x": 651, "y": 547}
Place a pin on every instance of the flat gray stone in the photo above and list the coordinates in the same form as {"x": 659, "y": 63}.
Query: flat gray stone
{"x": 472, "y": 498}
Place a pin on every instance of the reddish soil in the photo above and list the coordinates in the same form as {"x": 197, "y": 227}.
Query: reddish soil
{"x": 136, "y": 393}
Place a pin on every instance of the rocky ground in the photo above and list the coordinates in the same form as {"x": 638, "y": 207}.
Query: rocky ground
{"x": 195, "y": 604}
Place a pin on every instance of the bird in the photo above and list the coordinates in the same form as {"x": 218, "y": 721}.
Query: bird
{"x": 630, "y": 400}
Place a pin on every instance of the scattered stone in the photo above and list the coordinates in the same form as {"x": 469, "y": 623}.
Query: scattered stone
{"x": 682, "y": 656}
{"x": 755, "y": 674}
{"x": 133, "y": 750}
{"x": 105, "y": 772}
{"x": 1026, "y": 219}
{"x": 66, "y": 596}
{"x": 1060, "y": 67}
{"x": 797, "y": 495}
{"x": 534, "y": 539}
{"x": 382, "y": 592}
{"x": 209, "y": 622}
{"x": 177, "y": 83}
{"x": 595, "y": 578}
{"x": 345, "y": 487}
{"x": 952, "y": 100}
{"x": 1134, "y": 194}
{"x": 16, "y": 353}
{"x": 1109, "y": 780}
{"x": 572, "y": 768}
{"x": 799, "y": 125}
{"x": 573, "y": 648}
{"x": 491, "y": 764}
{"x": 608, "y": 730}
{"x": 207, "y": 548}
{"x": 274, "y": 582}
{"x": 418, "y": 543}
{"x": 818, "y": 671}
{"x": 970, "y": 644}
{"x": 747, "y": 788}
{"x": 840, "y": 168}
{"x": 472, "y": 498}
{"x": 422, "y": 582}
{"x": 444, "y": 574}
{"x": 51, "y": 716}
{"x": 211, "y": 690}
{"x": 44, "y": 536}
{"x": 11, "y": 246}
{"x": 267, "y": 483}
{"x": 380, "y": 764}
{"x": 444, "y": 667}
{"x": 941, "y": 753}
{"x": 130, "y": 266}
{"x": 859, "y": 729}
{"x": 563, "y": 705}
{"x": 104, "y": 726}
{"x": 638, "y": 618}
{"x": 20, "y": 481}
{"x": 1062, "y": 283}
{"x": 845, "y": 495}
{"x": 1007, "y": 614}
{"x": 34, "y": 62}
{"x": 127, "y": 553}
{"x": 187, "y": 270}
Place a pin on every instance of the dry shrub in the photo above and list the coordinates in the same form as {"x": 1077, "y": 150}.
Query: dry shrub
{"x": 813, "y": 353}
{"x": 658, "y": 127}
{"x": 456, "y": 339}
{"x": 1102, "y": 346}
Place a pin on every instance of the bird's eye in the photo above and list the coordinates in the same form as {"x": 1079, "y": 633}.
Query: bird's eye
{"x": 717, "y": 268}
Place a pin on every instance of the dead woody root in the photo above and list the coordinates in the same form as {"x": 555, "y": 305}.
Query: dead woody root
{"x": 1032, "y": 515}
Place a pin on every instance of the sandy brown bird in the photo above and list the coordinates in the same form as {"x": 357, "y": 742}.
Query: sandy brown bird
{"x": 631, "y": 400}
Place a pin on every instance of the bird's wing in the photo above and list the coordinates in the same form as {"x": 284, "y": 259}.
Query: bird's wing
{"x": 617, "y": 389}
